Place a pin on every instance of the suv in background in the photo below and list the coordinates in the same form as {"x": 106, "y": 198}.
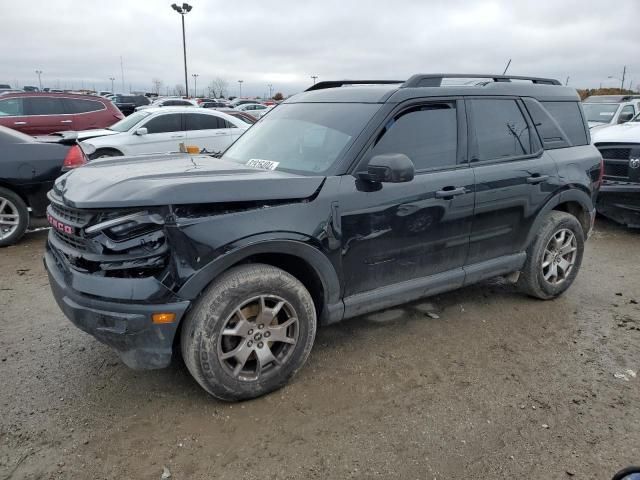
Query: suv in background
{"x": 619, "y": 197}
{"x": 128, "y": 103}
{"x": 45, "y": 113}
{"x": 344, "y": 200}
{"x": 606, "y": 110}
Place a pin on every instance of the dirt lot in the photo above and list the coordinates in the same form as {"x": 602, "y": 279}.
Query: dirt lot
{"x": 497, "y": 386}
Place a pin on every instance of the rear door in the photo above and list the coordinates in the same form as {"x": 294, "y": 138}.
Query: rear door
{"x": 165, "y": 133}
{"x": 208, "y": 131}
{"x": 397, "y": 232}
{"x": 46, "y": 115}
{"x": 514, "y": 176}
{"x": 84, "y": 113}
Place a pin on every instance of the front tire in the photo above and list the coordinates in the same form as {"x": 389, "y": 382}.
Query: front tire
{"x": 249, "y": 333}
{"x": 14, "y": 217}
{"x": 554, "y": 257}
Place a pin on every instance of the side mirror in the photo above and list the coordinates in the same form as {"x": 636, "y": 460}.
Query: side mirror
{"x": 624, "y": 118}
{"x": 141, "y": 131}
{"x": 390, "y": 168}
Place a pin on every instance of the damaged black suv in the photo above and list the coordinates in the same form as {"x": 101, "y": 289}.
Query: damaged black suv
{"x": 345, "y": 199}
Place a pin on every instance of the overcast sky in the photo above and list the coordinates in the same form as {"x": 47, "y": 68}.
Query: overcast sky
{"x": 283, "y": 42}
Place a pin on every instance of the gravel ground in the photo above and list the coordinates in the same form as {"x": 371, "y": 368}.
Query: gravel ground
{"x": 478, "y": 383}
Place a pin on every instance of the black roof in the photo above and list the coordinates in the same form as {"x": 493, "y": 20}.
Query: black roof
{"x": 435, "y": 85}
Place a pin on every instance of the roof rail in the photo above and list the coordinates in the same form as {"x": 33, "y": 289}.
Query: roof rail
{"x": 435, "y": 79}
{"x": 340, "y": 83}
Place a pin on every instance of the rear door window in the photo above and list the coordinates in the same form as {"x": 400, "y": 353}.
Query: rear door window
{"x": 44, "y": 106}
{"x": 501, "y": 129}
{"x": 164, "y": 123}
{"x": 427, "y": 134}
{"x": 79, "y": 105}
{"x": 11, "y": 107}
{"x": 569, "y": 117}
{"x": 195, "y": 121}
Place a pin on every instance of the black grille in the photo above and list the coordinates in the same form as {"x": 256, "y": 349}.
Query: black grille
{"x": 616, "y": 169}
{"x": 615, "y": 153}
{"x": 73, "y": 241}
{"x": 71, "y": 215}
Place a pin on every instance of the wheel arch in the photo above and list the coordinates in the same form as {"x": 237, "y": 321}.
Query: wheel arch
{"x": 301, "y": 260}
{"x": 574, "y": 201}
{"x": 17, "y": 191}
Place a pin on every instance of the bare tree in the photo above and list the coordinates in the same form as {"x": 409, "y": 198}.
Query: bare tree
{"x": 278, "y": 96}
{"x": 219, "y": 87}
{"x": 179, "y": 89}
{"x": 157, "y": 85}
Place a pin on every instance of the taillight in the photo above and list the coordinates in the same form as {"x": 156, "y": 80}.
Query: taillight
{"x": 75, "y": 158}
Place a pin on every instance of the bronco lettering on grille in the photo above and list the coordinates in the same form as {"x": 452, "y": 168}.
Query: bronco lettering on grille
{"x": 58, "y": 225}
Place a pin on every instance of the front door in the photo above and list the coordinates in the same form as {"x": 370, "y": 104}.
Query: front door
{"x": 165, "y": 133}
{"x": 393, "y": 233}
{"x": 514, "y": 177}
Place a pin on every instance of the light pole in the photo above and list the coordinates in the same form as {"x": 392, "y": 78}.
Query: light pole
{"x": 39, "y": 73}
{"x": 315, "y": 77}
{"x": 183, "y": 10}
{"x": 240, "y": 83}
{"x": 195, "y": 83}
{"x": 270, "y": 90}
{"x": 112, "y": 80}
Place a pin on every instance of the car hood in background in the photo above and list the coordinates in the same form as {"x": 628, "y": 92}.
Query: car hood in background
{"x": 72, "y": 136}
{"x": 625, "y": 133}
{"x": 593, "y": 125}
{"x": 157, "y": 180}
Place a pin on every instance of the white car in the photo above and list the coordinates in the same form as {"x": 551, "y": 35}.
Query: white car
{"x": 603, "y": 111}
{"x": 162, "y": 130}
{"x": 169, "y": 102}
{"x": 256, "y": 110}
{"x": 627, "y": 133}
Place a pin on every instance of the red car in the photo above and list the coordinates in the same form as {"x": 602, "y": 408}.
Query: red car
{"x": 36, "y": 113}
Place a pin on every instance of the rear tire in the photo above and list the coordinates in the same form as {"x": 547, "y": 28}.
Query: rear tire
{"x": 14, "y": 217}
{"x": 105, "y": 153}
{"x": 553, "y": 257}
{"x": 249, "y": 333}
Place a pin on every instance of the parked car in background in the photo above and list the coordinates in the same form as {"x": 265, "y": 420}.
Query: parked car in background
{"x": 128, "y": 103}
{"x": 163, "y": 129}
{"x": 256, "y": 110}
{"x": 44, "y": 113}
{"x": 240, "y": 101}
{"x": 605, "y": 110}
{"x": 27, "y": 172}
{"x": 212, "y": 104}
{"x": 170, "y": 102}
{"x": 30, "y": 88}
{"x": 104, "y": 93}
{"x": 339, "y": 202}
{"x": 619, "y": 197}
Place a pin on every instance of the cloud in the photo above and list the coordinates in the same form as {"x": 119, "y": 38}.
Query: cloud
{"x": 285, "y": 42}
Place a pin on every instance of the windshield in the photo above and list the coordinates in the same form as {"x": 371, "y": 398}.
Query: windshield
{"x": 600, "y": 112}
{"x": 302, "y": 137}
{"x": 129, "y": 122}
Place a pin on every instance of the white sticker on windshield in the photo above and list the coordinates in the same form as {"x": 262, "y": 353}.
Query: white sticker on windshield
{"x": 263, "y": 164}
{"x": 607, "y": 114}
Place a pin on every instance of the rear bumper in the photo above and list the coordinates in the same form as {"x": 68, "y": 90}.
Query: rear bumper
{"x": 124, "y": 325}
{"x": 620, "y": 201}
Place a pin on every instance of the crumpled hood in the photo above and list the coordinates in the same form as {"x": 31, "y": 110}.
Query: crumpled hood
{"x": 625, "y": 133}
{"x": 72, "y": 136}
{"x": 155, "y": 180}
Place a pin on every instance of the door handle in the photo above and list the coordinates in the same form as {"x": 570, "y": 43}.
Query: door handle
{"x": 19, "y": 123}
{"x": 65, "y": 121}
{"x": 177, "y": 136}
{"x": 448, "y": 192}
{"x": 537, "y": 178}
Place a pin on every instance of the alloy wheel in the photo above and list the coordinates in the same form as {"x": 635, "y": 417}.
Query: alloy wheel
{"x": 9, "y": 218}
{"x": 258, "y": 338}
{"x": 559, "y": 256}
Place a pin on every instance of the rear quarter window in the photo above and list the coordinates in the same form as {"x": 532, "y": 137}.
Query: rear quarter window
{"x": 569, "y": 117}
{"x": 78, "y": 105}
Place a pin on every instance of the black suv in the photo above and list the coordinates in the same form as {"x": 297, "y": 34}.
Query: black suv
{"x": 347, "y": 198}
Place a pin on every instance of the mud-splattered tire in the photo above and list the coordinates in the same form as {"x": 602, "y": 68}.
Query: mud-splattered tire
{"x": 14, "y": 217}
{"x": 553, "y": 257}
{"x": 249, "y": 333}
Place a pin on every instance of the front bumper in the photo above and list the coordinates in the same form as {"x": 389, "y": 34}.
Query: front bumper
{"x": 117, "y": 311}
{"x": 620, "y": 201}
